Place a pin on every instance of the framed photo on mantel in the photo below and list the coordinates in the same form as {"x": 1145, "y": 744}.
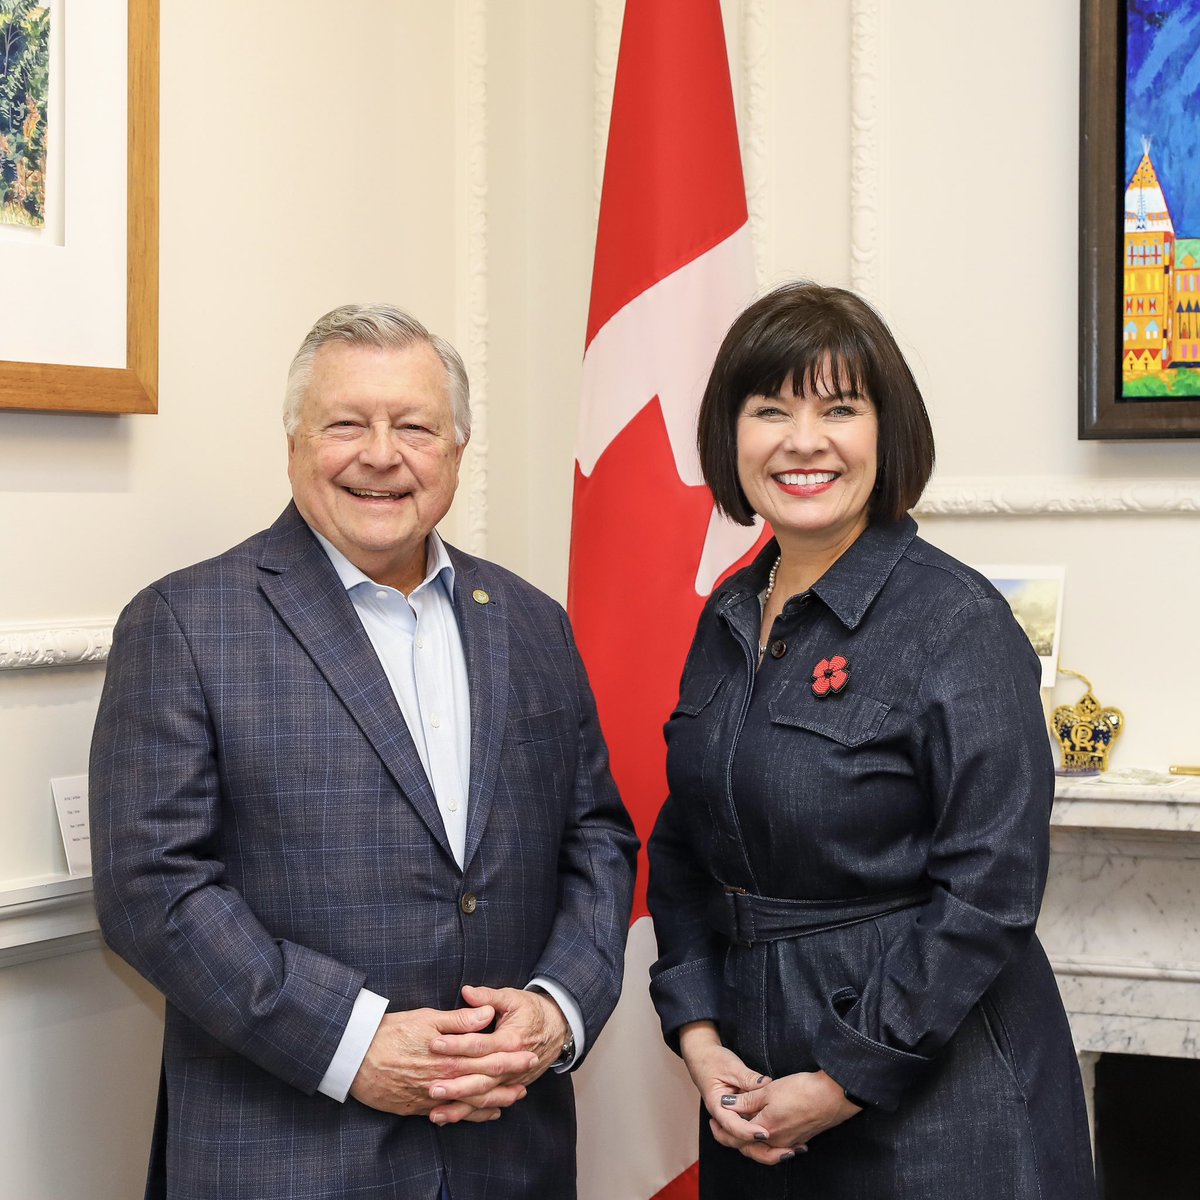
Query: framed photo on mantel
{"x": 1139, "y": 220}
{"x": 79, "y": 205}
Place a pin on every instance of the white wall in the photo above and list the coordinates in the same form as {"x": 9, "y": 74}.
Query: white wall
{"x": 79, "y": 1049}
{"x": 301, "y": 169}
{"x": 541, "y": 167}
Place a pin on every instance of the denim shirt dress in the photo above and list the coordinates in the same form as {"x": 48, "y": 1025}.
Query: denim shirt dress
{"x": 847, "y": 873}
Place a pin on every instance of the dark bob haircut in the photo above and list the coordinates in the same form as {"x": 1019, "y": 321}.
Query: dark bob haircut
{"x": 795, "y": 331}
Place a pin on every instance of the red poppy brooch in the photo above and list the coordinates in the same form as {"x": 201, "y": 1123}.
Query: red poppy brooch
{"x": 830, "y": 675}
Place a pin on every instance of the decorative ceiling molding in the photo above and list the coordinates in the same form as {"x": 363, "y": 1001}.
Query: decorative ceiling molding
{"x": 471, "y": 239}
{"x": 1059, "y": 497}
{"x": 55, "y": 644}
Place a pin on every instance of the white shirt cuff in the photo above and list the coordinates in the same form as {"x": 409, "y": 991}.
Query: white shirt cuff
{"x": 365, "y": 1019}
{"x": 570, "y": 1010}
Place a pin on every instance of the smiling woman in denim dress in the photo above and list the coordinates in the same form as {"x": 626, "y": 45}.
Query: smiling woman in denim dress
{"x": 846, "y": 875}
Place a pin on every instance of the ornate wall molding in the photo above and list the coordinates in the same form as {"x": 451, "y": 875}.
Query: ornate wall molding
{"x": 608, "y": 15}
{"x": 758, "y": 85}
{"x": 1059, "y": 497}
{"x": 471, "y": 240}
{"x": 866, "y": 146}
{"x": 56, "y": 644}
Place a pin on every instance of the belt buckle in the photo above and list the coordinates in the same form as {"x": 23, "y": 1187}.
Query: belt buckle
{"x": 739, "y": 915}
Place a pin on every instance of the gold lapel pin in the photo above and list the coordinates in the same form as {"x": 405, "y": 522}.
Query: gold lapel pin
{"x": 480, "y": 596}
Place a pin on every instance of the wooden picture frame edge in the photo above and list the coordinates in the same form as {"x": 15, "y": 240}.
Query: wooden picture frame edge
{"x": 47, "y": 387}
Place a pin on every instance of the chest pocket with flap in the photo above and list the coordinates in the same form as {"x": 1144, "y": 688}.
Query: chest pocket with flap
{"x": 849, "y": 718}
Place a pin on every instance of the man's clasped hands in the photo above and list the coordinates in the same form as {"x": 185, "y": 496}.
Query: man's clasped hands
{"x": 462, "y": 1064}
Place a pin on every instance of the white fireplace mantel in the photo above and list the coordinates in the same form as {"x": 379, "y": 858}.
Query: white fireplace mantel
{"x": 1121, "y": 916}
{"x": 1097, "y": 806}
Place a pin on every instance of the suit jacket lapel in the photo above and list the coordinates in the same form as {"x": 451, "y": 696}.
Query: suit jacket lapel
{"x": 479, "y": 605}
{"x": 299, "y": 581}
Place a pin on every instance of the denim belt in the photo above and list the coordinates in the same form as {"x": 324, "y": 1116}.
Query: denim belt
{"x": 745, "y": 918}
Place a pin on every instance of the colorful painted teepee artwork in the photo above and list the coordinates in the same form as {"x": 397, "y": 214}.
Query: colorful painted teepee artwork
{"x": 1160, "y": 322}
{"x": 24, "y": 100}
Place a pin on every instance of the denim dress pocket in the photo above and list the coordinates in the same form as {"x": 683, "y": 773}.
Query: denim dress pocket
{"x": 850, "y": 719}
{"x": 692, "y": 727}
{"x": 993, "y": 1023}
{"x": 696, "y": 694}
{"x": 798, "y": 979}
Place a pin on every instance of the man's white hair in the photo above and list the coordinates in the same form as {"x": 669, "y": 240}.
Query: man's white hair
{"x": 385, "y": 327}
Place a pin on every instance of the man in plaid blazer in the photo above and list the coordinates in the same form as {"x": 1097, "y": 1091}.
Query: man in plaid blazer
{"x": 352, "y": 814}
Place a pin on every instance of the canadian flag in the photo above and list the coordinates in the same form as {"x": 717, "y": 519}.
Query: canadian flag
{"x": 673, "y": 268}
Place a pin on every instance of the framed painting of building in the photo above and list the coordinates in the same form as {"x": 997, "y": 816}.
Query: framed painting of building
{"x": 59, "y": 292}
{"x": 1139, "y": 228}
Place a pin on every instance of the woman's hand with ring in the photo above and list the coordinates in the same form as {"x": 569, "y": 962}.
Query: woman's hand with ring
{"x": 722, "y": 1080}
{"x": 792, "y": 1111}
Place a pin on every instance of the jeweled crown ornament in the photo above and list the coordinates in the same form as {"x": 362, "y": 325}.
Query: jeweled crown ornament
{"x": 1085, "y": 730}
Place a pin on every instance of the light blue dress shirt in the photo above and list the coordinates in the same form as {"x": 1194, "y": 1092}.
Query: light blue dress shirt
{"x": 419, "y": 646}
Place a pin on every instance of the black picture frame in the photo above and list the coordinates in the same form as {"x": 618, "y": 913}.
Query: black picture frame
{"x": 1102, "y": 412}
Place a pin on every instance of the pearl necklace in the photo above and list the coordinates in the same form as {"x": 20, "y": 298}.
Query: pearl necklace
{"x": 766, "y": 599}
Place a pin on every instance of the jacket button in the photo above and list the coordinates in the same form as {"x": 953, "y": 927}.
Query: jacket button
{"x": 468, "y": 903}
{"x": 778, "y": 648}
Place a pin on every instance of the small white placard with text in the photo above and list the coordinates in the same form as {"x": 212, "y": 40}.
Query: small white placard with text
{"x": 71, "y": 803}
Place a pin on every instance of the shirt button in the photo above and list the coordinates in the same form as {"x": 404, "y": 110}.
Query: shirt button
{"x": 452, "y": 805}
{"x": 436, "y": 722}
{"x": 778, "y": 648}
{"x": 381, "y": 595}
{"x": 468, "y": 903}
{"x": 420, "y": 643}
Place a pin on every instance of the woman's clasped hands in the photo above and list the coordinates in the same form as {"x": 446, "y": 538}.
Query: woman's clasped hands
{"x": 767, "y": 1120}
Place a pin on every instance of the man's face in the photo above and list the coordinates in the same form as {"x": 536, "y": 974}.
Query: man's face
{"x": 373, "y": 462}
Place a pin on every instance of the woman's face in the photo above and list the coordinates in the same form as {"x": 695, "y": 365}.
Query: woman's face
{"x": 807, "y": 462}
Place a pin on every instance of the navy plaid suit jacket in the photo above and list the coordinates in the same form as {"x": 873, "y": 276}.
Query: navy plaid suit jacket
{"x": 266, "y": 843}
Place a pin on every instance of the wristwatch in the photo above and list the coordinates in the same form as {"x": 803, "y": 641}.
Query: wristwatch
{"x": 567, "y": 1055}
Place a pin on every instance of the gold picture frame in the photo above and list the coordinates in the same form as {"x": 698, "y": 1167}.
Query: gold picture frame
{"x": 49, "y": 387}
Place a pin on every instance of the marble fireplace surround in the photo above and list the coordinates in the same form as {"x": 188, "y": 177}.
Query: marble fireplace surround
{"x": 1121, "y": 918}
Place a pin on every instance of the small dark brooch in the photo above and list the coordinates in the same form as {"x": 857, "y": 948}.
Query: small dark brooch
{"x": 830, "y": 676}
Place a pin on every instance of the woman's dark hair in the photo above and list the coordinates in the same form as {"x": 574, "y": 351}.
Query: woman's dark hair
{"x": 795, "y": 331}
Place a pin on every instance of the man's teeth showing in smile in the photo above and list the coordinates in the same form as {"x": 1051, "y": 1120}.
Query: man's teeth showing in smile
{"x": 369, "y": 495}
{"x": 806, "y": 478}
